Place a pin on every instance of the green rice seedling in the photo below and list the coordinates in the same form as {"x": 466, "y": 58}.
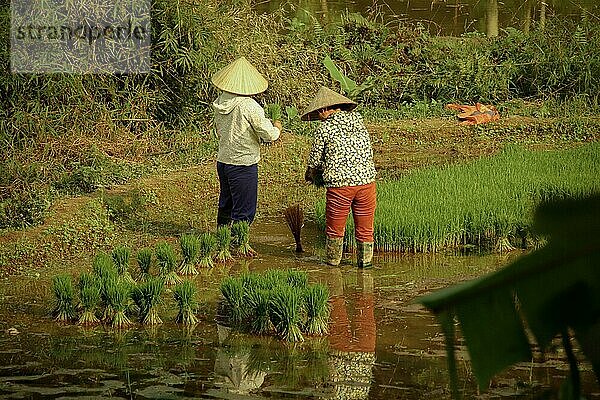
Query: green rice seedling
{"x": 223, "y": 244}
{"x": 232, "y": 290}
{"x": 275, "y": 277}
{"x": 190, "y": 246}
{"x": 208, "y": 244}
{"x": 185, "y": 296}
{"x": 63, "y": 309}
{"x": 167, "y": 263}
{"x": 89, "y": 297}
{"x": 144, "y": 262}
{"x": 107, "y": 285}
{"x": 118, "y": 295}
{"x": 120, "y": 256}
{"x": 297, "y": 279}
{"x": 148, "y": 297}
{"x": 258, "y": 305}
{"x": 316, "y": 304}
{"x": 240, "y": 232}
{"x": 104, "y": 267}
{"x": 273, "y": 111}
{"x": 285, "y": 308}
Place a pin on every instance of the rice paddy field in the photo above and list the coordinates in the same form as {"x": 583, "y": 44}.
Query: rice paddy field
{"x": 487, "y": 203}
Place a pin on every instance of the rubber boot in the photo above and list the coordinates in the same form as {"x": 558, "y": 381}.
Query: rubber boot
{"x": 364, "y": 254}
{"x": 334, "y": 248}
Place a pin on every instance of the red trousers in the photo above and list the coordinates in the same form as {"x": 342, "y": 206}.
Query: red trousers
{"x": 362, "y": 200}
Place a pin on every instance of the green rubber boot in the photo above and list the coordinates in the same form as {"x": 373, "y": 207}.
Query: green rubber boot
{"x": 364, "y": 254}
{"x": 334, "y": 248}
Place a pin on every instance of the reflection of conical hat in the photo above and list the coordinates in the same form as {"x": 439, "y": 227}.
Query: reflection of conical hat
{"x": 240, "y": 77}
{"x": 326, "y": 98}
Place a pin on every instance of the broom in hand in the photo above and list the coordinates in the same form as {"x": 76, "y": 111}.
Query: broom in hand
{"x": 294, "y": 216}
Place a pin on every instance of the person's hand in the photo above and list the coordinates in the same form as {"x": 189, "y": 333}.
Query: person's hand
{"x": 309, "y": 175}
{"x": 277, "y": 124}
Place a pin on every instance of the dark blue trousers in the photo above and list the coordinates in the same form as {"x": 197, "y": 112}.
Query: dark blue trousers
{"x": 238, "y": 196}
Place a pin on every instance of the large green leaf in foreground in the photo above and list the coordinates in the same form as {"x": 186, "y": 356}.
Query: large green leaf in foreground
{"x": 557, "y": 289}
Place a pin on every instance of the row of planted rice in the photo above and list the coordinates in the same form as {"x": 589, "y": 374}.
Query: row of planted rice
{"x": 487, "y": 203}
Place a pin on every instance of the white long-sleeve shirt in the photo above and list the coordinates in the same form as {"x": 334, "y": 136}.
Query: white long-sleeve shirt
{"x": 241, "y": 124}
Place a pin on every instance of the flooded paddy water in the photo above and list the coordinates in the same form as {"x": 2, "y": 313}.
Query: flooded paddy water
{"x": 381, "y": 344}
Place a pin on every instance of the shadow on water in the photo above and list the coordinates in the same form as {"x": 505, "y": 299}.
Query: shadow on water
{"x": 380, "y": 346}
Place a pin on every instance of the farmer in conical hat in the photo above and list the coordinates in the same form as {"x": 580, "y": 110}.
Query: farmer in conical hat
{"x": 342, "y": 150}
{"x": 241, "y": 126}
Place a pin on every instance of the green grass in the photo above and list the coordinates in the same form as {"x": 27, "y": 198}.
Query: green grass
{"x": 486, "y": 203}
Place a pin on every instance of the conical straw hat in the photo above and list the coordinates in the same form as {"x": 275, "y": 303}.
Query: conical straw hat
{"x": 240, "y": 77}
{"x": 326, "y": 98}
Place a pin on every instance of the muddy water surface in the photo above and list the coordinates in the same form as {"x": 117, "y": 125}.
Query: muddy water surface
{"x": 381, "y": 345}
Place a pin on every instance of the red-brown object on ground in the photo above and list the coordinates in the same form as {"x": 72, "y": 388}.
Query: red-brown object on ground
{"x": 473, "y": 115}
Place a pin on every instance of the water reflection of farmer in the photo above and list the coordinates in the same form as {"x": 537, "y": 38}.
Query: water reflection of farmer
{"x": 352, "y": 337}
{"x": 241, "y": 125}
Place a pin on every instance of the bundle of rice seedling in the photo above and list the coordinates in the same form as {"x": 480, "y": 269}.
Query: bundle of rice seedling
{"x": 208, "y": 244}
{"x": 275, "y": 277}
{"x": 120, "y": 256}
{"x": 104, "y": 267}
{"x": 273, "y": 111}
{"x": 233, "y": 292}
{"x": 190, "y": 246}
{"x": 240, "y": 232}
{"x": 258, "y": 304}
{"x": 63, "y": 309}
{"x": 296, "y": 279}
{"x": 167, "y": 263}
{"x": 316, "y": 298}
{"x": 285, "y": 307}
{"x": 144, "y": 262}
{"x": 294, "y": 216}
{"x": 118, "y": 296}
{"x": 185, "y": 296}
{"x": 223, "y": 243}
{"x": 89, "y": 298}
{"x": 148, "y": 297}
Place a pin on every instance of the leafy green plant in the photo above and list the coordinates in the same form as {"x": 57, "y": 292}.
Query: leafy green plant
{"x": 148, "y": 297}
{"x": 120, "y": 256}
{"x": 223, "y": 236}
{"x": 316, "y": 299}
{"x": 240, "y": 232}
{"x": 348, "y": 86}
{"x": 285, "y": 307}
{"x": 558, "y": 290}
{"x": 63, "y": 309}
{"x": 185, "y": 296}
{"x": 167, "y": 263}
{"x": 144, "y": 262}
{"x": 190, "y": 246}
{"x": 208, "y": 244}
{"x": 89, "y": 297}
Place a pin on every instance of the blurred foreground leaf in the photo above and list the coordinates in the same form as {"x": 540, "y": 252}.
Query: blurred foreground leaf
{"x": 557, "y": 289}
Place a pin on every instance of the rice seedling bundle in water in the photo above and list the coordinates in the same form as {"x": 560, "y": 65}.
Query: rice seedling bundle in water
{"x": 120, "y": 256}
{"x": 167, "y": 263}
{"x": 258, "y": 303}
{"x": 232, "y": 290}
{"x": 294, "y": 216}
{"x": 118, "y": 295}
{"x": 185, "y": 296}
{"x": 144, "y": 262}
{"x": 285, "y": 307}
{"x": 190, "y": 247}
{"x": 63, "y": 309}
{"x": 89, "y": 298}
{"x": 208, "y": 244}
{"x": 223, "y": 244}
{"x": 297, "y": 279}
{"x": 103, "y": 267}
{"x": 240, "y": 232}
{"x": 148, "y": 297}
{"x": 316, "y": 299}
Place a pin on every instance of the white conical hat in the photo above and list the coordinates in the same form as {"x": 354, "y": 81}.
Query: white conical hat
{"x": 240, "y": 77}
{"x": 326, "y": 97}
